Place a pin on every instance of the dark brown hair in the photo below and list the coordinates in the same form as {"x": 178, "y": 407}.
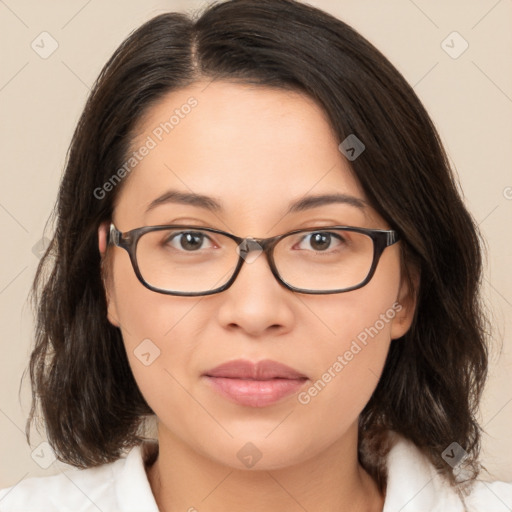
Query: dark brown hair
{"x": 433, "y": 377}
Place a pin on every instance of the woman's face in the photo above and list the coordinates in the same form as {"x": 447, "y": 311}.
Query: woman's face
{"x": 254, "y": 151}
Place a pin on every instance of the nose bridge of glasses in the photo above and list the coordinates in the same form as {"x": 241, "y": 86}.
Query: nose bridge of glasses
{"x": 250, "y": 244}
{"x": 250, "y": 248}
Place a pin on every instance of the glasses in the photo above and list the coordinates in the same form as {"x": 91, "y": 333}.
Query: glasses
{"x": 190, "y": 260}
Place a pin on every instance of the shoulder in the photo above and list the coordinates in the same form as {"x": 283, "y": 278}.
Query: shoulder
{"x": 117, "y": 486}
{"x": 69, "y": 490}
{"x": 414, "y": 485}
{"x": 490, "y": 497}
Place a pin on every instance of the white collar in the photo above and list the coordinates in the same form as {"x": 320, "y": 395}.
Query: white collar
{"x": 133, "y": 489}
{"x": 413, "y": 484}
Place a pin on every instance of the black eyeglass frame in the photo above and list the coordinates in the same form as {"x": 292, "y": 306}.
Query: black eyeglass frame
{"x": 128, "y": 240}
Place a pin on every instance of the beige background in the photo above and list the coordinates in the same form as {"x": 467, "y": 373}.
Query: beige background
{"x": 469, "y": 99}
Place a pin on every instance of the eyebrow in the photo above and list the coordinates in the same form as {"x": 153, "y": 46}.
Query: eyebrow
{"x": 211, "y": 204}
{"x": 175, "y": 196}
{"x": 323, "y": 199}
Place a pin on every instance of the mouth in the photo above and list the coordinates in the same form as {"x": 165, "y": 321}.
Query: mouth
{"x": 254, "y": 384}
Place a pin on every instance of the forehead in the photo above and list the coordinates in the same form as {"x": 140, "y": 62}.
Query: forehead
{"x": 253, "y": 148}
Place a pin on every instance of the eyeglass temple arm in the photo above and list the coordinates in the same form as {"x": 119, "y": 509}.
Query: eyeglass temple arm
{"x": 113, "y": 238}
{"x": 392, "y": 238}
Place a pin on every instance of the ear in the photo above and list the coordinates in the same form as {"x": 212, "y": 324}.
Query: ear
{"x": 405, "y": 304}
{"x": 106, "y": 273}
{"x": 102, "y": 237}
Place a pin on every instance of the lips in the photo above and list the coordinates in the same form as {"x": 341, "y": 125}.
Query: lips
{"x": 262, "y": 370}
{"x": 254, "y": 384}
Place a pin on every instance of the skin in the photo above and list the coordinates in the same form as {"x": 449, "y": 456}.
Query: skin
{"x": 255, "y": 150}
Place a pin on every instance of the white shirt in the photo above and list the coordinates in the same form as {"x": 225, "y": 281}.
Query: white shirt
{"x": 122, "y": 486}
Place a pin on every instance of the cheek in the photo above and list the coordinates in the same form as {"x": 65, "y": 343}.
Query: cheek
{"x": 349, "y": 364}
{"x": 350, "y": 356}
{"x": 143, "y": 313}
{"x": 159, "y": 333}
{"x": 363, "y": 314}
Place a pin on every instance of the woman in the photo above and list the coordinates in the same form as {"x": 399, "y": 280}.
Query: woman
{"x": 260, "y": 244}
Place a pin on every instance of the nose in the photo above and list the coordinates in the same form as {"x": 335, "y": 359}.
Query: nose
{"x": 256, "y": 302}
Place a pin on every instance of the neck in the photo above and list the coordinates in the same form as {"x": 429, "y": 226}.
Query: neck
{"x": 332, "y": 481}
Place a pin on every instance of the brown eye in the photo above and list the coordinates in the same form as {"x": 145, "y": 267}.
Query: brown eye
{"x": 188, "y": 241}
{"x": 321, "y": 241}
